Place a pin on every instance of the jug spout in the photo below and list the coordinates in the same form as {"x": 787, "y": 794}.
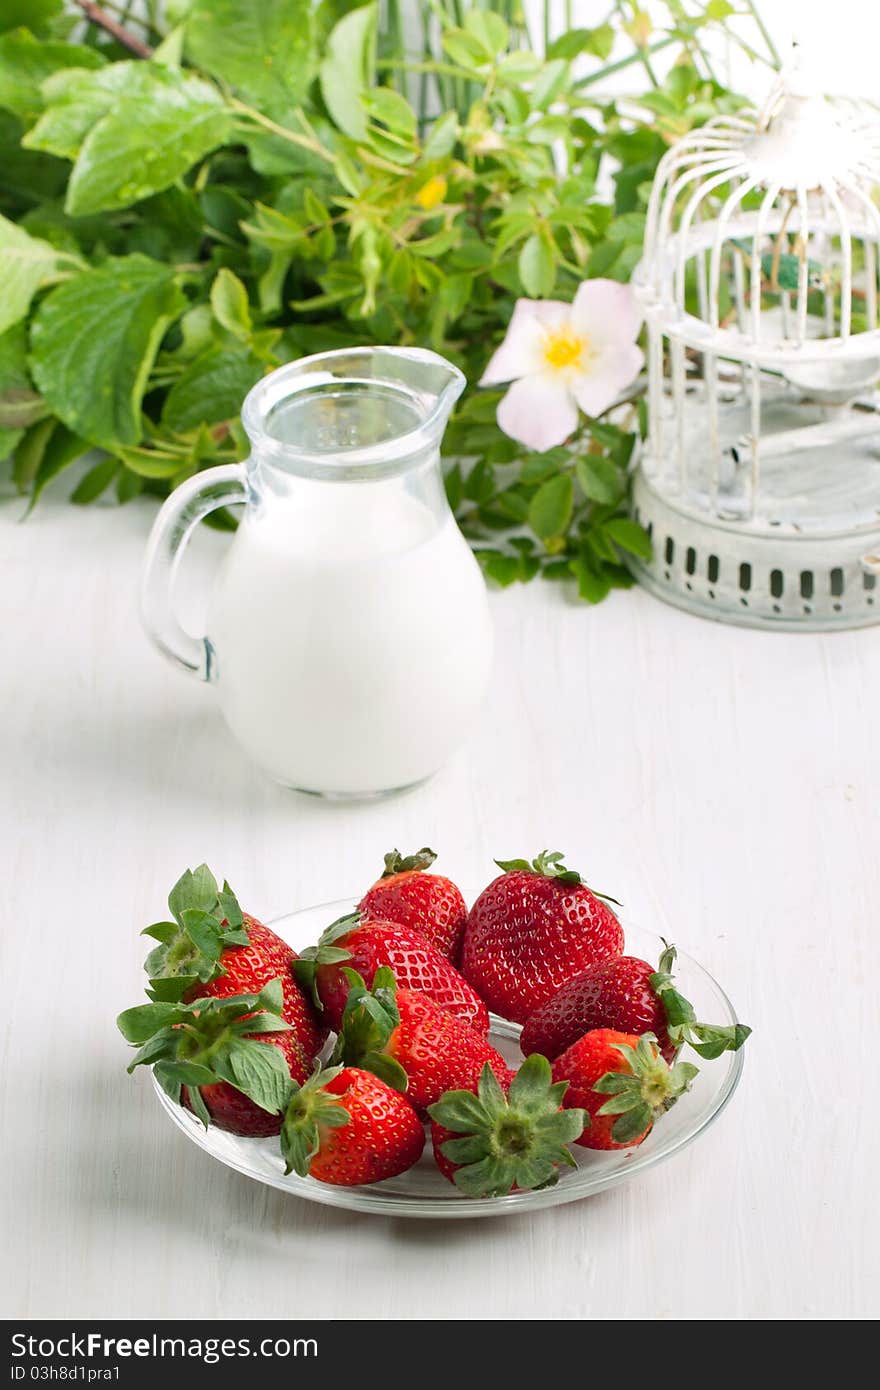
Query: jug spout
{"x": 365, "y": 408}
{"x": 437, "y": 382}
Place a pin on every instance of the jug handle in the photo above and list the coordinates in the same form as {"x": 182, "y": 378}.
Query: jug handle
{"x": 177, "y": 519}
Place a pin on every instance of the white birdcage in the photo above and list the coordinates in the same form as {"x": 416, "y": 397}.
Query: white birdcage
{"x": 760, "y": 477}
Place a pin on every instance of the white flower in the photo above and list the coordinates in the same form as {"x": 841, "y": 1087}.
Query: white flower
{"x": 561, "y": 356}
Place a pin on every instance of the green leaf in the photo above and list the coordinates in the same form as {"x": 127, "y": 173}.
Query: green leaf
{"x": 94, "y": 340}
{"x": 63, "y": 447}
{"x": 537, "y": 267}
{"x": 26, "y": 62}
{"x": 26, "y": 264}
{"x": 466, "y": 49}
{"x": 599, "y": 478}
{"x": 630, "y": 1125}
{"x": 138, "y": 1025}
{"x": 489, "y": 29}
{"x": 599, "y": 42}
{"x": 150, "y": 463}
{"x": 158, "y": 127}
{"x": 442, "y": 137}
{"x": 630, "y": 536}
{"x": 347, "y": 70}
{"x": 75, "y": 100}
{"x": 229, "y": 301}
{"x": 551, "y": 507}
{"x": 393, "y": 110}
{"x": 15, "y": 383}
{"x": 95, "y": 481}
{"x": 36, "y": 15}
{"x": 265, "y": 49}
{"x": 29, "y": 451}
{"x": 549, "y": 83}
{"x": 259, "y": 1069}
{"x": 212, "y": 388}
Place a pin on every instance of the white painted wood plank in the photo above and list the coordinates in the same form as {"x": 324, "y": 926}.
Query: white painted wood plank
{"x": 722, "y": 782}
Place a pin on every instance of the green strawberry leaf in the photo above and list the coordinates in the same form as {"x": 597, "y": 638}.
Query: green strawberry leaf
{"x": 632, "y": 1123}
{"x": 260, "y": 1071}
{"x": 514, "y": 1140}
{"x": 200, "y": 1110}
{"x": 310, "y": 1109}
{"x": 397, "y": 863}
{"x": 548, "y": 864}
{"x": 195, "y": 890}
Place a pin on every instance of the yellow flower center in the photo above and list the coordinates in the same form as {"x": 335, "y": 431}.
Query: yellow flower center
{"x": 431, "y": 193}
{"x": 563, "y": 348}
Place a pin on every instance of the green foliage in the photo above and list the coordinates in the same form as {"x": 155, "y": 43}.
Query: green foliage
{"x": 283, "y": 177}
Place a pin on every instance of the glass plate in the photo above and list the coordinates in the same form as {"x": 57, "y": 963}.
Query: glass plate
{"x": 423, "y": 1191}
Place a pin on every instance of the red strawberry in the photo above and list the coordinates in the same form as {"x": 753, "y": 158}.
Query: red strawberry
{"x": 212, "y": 952}
{"x": 630, "y": 996}
{"x": 509, "y": 1136}
{"x": 364, "y": 947}
{"x": 411, "y": 1042}
{"x": 346, "y": 1126}
{"x": 427, "y": 903}
{"x": 531, "y": 930}
{"x": 622, "y": 1082}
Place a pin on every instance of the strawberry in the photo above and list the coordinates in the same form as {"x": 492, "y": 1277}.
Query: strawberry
{"x": 366, "y": 945}
{"x": 214, "y": 968}
{"x": 410, "y": 1041}
{"x": 216, "y": 1057}
{"x": 427, "y": 903}
{"x": 346, "y": 1126}
{"x": 630, "y": 996}
{"x": 214, "y": 950}
{"x": 531, "y": 930}
{"x": 509, "y": 1136}
{"x": 622, "y": 1082}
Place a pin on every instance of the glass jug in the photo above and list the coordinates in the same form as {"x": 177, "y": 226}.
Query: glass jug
{"x": 348, "y": 630}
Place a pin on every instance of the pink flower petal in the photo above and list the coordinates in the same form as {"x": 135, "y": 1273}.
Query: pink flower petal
{"x": 521, "y": 352}
{"x": 606, "y": 312}
{"x": 613, "y": 370}
{"x": 538, "y": 411}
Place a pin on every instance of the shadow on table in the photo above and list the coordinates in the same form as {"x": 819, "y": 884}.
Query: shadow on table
{"x": 143, "y": 1175}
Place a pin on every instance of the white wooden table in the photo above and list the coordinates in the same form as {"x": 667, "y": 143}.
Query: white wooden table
{"x": 723, "y": 782}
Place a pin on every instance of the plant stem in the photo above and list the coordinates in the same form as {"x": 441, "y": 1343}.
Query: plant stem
{"x": 96, "y": 15}
{"x": 642, "y": 52}
{"x": 622, "y": 63}
{"x": 765, "y": 33}
{"x": 304, "y": 141}
{"x": 447, "y": 68}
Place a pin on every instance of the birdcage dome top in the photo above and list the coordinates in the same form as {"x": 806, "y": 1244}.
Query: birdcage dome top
{"x": 792, "y": 185}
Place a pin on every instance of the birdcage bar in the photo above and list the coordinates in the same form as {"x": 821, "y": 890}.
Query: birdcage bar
{"x": 655, "y": 391}
{"x": 679, "y": 368}
{"x": 803, "y": 290}
{"x": 728, "y": 165}
{"x": 739, "y": 291}
{"x": 694, "y": 202}
{"x": 845, "y": 259}
{"x": 871, "y": 284}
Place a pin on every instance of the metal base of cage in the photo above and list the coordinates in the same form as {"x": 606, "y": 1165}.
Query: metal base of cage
{"x": 754, "y": 577}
